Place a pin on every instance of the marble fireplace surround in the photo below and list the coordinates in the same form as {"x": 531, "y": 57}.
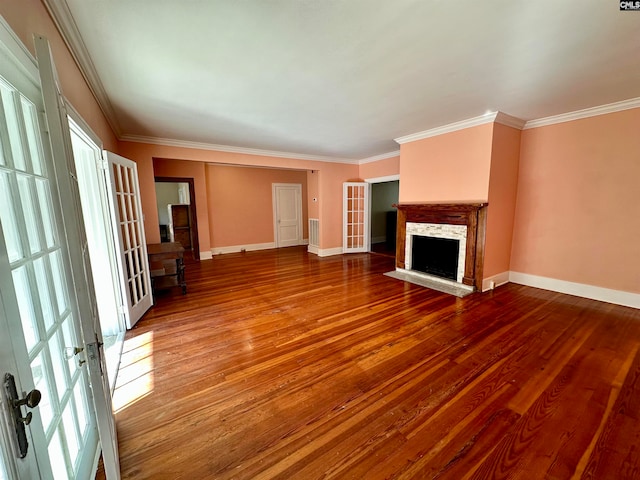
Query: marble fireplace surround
{"x": 471, "y": 215}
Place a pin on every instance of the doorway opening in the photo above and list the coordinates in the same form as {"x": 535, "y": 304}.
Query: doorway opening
{"x": 384, "y": 193}
{"x": 178, "y": 222}
{"x": 101, "y": 242}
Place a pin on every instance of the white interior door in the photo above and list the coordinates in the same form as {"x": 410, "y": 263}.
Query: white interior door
{"x": 40, "y": 315}
{"x": 129, "y": 225}
{"x": 79, "y": 259}
{"x": 355, "y": 204}
{"x": 287, "y": 205}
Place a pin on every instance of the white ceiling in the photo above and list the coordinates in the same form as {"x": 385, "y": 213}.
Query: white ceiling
{"x": 343, "y": 78}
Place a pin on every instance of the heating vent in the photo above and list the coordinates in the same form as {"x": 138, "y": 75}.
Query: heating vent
{"x": 314, "y": 232}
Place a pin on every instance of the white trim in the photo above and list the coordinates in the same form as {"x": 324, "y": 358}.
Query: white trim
{"x": 510, "y": 121}
{"x": 313, "y": 249}
{"x": 167, "y": 142}
{"x": 206, "y": 255}
{"x": 388, "y": 178}
{"x": 617, "y": 297}
{"x": 239, "y": 248}
{"x": 73, "y": 114}
{"x": 584, "y": 113}
{"x": 328, "y": 252}
{"x": 494, "y": 281}
{"x": 19, "y": 51}
{"x": 66, "y": 25}
{"x": 377, "y": 158}
{"x": 452, "y": 127}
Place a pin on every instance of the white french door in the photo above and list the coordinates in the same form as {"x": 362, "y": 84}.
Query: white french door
{"x": 66, "y": 180}
{"x": 355, "y": 205}
{"x": 40, "y": 319}
{"x": 287, "y": 214}
{"x": 129, "y": 224}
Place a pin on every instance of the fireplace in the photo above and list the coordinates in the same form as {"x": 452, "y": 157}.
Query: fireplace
{"x": 435, "y": 256}
{"x": 442, "y": 240}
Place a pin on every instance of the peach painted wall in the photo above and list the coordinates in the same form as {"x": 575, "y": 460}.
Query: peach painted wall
{"x": 381, "y": 168}
{"x": 452, "y": 167}
{"x": 181, "y": 168}
{"x": 138, "y": 153}
{"x": 29, "y": 17}
{"x": 330, "y": 179}
{"x": 578, "y": 208}
{"x": 240, "y": 203}
{"x": 503, "y": 185}
{"x": 313, "y": 190}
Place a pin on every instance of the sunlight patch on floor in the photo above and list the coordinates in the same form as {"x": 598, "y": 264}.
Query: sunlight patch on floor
{"x": 135, "y": 376}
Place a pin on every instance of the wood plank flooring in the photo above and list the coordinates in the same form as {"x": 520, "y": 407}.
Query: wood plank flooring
{"x": 282, "y": 365}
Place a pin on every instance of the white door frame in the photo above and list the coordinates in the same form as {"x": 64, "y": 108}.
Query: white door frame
{"x": 100, "y": 238}
{"x": 371, "y": 181}
{"x": 276, "y": 220}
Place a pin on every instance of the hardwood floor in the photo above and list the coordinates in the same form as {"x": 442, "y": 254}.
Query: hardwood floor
{"x": 279, "y": 364}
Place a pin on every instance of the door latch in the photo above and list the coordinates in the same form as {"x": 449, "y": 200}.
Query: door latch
{"x": 30, "y": 400}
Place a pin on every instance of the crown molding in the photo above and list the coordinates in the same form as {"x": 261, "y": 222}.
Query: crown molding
{"x": 167, "y": 142}
{"x": 584, "y": 113}
{"x": 382, "y": 156}
{"x": 451, "y": 127}
{"x": 491, "y": 117}
{"x": 510, "y": 121}
{"x": 66, "y": 25}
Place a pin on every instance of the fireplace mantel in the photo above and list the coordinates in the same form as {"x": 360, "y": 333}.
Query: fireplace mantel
{"x": 473, "y": 215}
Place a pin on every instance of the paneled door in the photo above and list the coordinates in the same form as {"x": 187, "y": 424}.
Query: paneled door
{"x": 41, "y": 346}
{"x": 129, "y": 225}
{"x": 355, "y": 204}
{"x": 287, "y": 213}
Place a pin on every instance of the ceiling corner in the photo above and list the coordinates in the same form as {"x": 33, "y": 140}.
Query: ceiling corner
{"x": 510, "y": 121}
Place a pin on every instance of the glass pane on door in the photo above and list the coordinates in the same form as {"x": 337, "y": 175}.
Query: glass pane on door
{"x": 4, "y": 475}
{"x": 355, "y": 217}
{"x": 40, "y": 284}
{"x": 130, "y": 227}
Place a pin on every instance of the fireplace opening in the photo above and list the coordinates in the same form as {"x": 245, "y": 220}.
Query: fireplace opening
{"x": 435, "y": 256}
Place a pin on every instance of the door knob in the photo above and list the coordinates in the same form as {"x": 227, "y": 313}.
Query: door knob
{"x": 31, "y": 400}
{"x": 26, "y": 420}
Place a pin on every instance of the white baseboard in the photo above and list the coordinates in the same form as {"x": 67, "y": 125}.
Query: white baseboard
{"x": 328, "y": 252}
{"x": 206, "y": 255}
{"x": 617, "y": 297}
{"x": 499, "y": 279}
{"x": 305, "y": 241}
{"x": 313, "y": 249}
{"x": 240, "y": 248}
